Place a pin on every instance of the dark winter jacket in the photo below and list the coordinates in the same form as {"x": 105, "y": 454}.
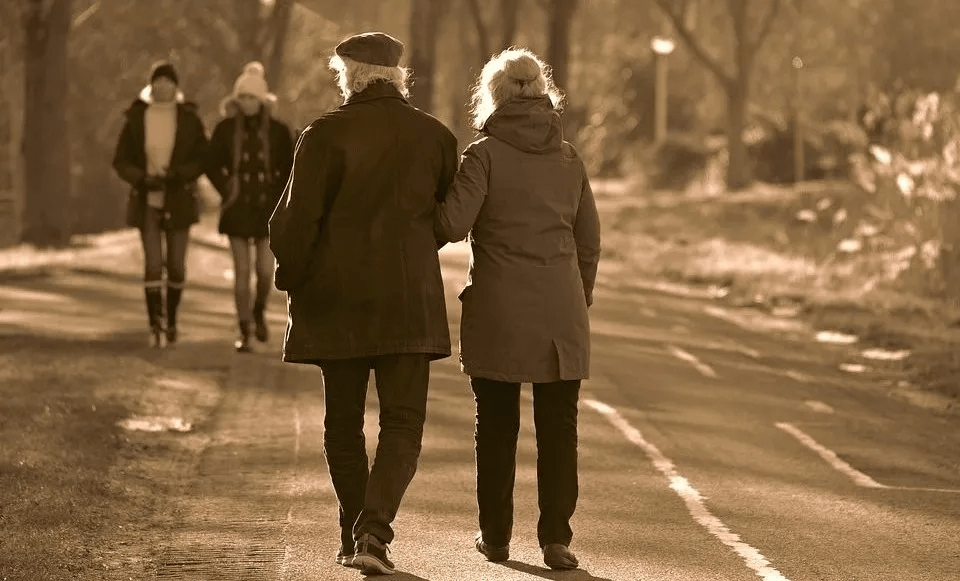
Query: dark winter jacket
{"x": 353, "y": 233}
{"x": 523, "y": 195}
{"x": 181, "y": 204}
{"x": 248, "y": 162}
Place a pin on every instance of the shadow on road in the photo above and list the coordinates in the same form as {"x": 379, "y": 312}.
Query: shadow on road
{"x": 573, "y": 575}
{"x": 398, "y": 576}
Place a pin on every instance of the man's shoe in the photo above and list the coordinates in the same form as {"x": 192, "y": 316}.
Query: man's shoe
{"x": 557, "y": 556}
{"x": 493, "y": 554}
{"x": 344, "y": 557}
{"x": 371, "y": 557}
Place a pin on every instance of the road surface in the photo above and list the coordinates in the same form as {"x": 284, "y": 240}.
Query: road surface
{"x": 707, "y": 451}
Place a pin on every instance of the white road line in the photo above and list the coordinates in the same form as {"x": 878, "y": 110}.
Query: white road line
{"x": 690, "y": 496}
{"x": 859, "y": 477}
{"x": 830, "y": 456}
{"x": 700, "y": 366}
{"x": 819, "y": 406}
{"x": 797, "y": 376}
{"x": 748, "y": 351}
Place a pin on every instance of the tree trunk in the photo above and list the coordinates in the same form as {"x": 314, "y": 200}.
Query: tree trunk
{"x": 509, "y": 11}
{"x": 558, "y": 48}
{"x": 45, "y": 141}
{"x": 280, "y": 23}
{"x": 739, "y": 174}
{"x": 424, "y": 26}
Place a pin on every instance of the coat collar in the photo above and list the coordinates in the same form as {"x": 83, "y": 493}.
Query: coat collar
{"x": 376, "y": 90}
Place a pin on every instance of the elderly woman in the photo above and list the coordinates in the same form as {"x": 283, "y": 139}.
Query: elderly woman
{"x": 160, "y": 153}
{"x": 523, "y": 195}
{"x": 251, "y": 154}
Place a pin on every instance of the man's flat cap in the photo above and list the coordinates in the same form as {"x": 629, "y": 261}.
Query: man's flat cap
{"x": 373, "y": 48}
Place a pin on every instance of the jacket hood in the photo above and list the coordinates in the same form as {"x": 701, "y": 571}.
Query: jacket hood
{"x": 146, "y": 95}
{"x": 529, "y": 124}
{"x": 230, "y": 108}
{"x": 145, "y": 98}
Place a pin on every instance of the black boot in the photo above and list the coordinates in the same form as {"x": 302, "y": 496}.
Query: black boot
{"x": 173, "y": 303}
{"x": 154, "y": 299}
{"x": 261, "y": 331}
{"x": 242, "y": 344}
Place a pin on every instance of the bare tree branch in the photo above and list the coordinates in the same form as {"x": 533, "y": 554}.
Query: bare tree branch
{"x": 766, "y": 26}
{"x": 677, "y": 19}
{"x": 279, "y": 28}
{"x": 483, "y": 36}
{"x": 509, "y": 10}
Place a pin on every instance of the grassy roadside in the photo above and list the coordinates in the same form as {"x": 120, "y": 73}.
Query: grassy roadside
{"x": 78, "y": 497}
{"x": 775, "y": 250}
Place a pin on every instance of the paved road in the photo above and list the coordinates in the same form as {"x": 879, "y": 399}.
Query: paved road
{"x": 708, "y": 452}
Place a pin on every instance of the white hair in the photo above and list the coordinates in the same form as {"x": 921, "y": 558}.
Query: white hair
{"x": 354, "y": 76}
{"x": 513, "y": 73}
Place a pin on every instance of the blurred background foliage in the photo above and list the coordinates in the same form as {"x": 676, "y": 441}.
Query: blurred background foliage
{"x": 57, "y": 145}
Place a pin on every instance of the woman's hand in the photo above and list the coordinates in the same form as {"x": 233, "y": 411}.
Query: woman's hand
{"x": 154, "y": 183}
{"x": 233, "y": 192}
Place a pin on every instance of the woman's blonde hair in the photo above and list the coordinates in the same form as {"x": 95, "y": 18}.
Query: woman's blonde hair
{"x": 515, "y": 72}
{"x": 354, "y": 76}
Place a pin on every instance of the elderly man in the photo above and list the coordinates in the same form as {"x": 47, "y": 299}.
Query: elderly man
{"x": 353, "y": 237}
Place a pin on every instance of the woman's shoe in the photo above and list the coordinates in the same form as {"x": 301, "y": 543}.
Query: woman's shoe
{"x": 171, "y": 335}
{"x": 493, "y": 554}
{"x": 261, "y": 331}
{"x": 156, "y": 336}
{"x": 242, "y": 344}
{"x": 557, "y": 556}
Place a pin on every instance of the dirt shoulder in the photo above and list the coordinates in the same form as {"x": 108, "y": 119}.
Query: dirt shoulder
{"x": 82, "y": 495}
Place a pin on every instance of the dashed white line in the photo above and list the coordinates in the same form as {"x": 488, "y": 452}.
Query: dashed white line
{"x": 858, "y": 477}
{"x": 700, "y": 366}
{"x": 797, "y": 376}
{"x": 830, "y": 456}
{"x": 819, "y": 406}
{"x": 690, "y": 496}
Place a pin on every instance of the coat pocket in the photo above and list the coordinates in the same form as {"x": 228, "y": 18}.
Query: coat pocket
{"x": 573, "y": 359}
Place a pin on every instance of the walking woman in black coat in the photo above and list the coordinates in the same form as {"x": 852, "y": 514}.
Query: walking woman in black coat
{"x": 250, "y": 157}
{"x": 160, "y": 153}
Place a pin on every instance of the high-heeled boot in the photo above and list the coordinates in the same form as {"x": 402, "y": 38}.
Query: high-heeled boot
{"x": 174, "y": 292}
{"x": 154, "y": 301}
{"x": 261, "y": 331}
{"x": 242, "y": 344}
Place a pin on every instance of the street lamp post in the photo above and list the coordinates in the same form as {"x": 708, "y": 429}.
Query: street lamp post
{"x": 662, "y": 47}
{"x": 799, "y": 163}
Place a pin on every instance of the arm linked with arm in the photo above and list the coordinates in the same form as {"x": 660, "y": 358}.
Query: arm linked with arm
{"x": 448, "y": 171}
{"x": 282, "y": 157}
{"x": 458, "y": 212}
{"x": 195, "y": 159}
{"x": 295, "y": 223}
{"x": 586, "y": 232}
{"x": 218, "y": 159}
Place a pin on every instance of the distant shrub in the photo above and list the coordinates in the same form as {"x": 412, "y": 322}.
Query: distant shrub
{"x": 678, "y": 161}
{"x": 915, "y": 181}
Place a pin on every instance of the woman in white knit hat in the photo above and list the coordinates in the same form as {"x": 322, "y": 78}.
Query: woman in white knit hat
{"x": 249, "y": 160}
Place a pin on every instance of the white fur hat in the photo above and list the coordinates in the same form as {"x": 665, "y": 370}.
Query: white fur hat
{"x": 253, "y": 82}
